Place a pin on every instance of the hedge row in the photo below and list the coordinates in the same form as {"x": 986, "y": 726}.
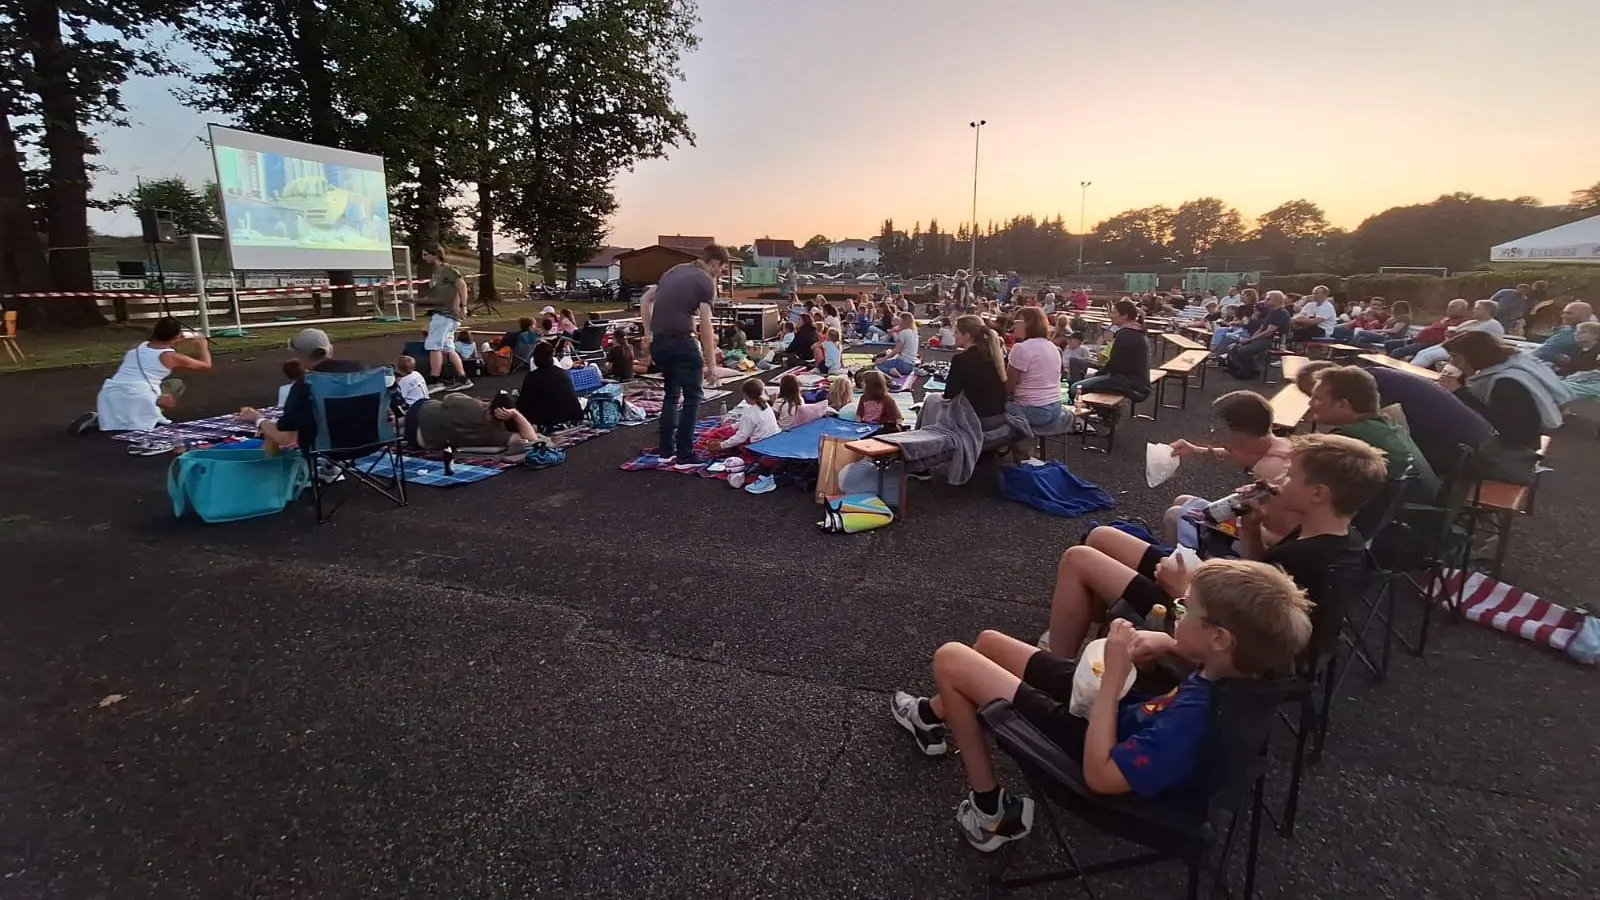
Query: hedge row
{"x": 1430, "y": 293}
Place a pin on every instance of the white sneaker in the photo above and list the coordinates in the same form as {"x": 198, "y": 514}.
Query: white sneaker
{"x": 987, "y": 833}
{"x": 1044, "y": 641}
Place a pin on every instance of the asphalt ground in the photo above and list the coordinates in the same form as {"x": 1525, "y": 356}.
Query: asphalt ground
{"x": 591, "y": 683}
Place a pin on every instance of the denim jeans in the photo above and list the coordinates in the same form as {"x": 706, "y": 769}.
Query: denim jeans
{"x": 1404, "y": 349}
{"x": 682, "y": 367}
{"x": 1226, "y": 338}
{"x": 896, "y": 366}
{"x": 1246, "y": 359}
{"x": 1077, "y": 369}
{"x": 1368, "y": 336}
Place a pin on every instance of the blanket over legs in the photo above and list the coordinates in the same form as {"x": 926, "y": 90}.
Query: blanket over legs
{"x": 951, "y": 430}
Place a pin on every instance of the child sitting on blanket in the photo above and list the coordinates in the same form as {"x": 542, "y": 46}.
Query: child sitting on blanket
{"x": 877, "y": 406}
{"x": 294, "y": 370}
{"x": 841, "y": 392}
{"x": 753, "y": 419}
{"x": 409, "y": 384}
{"x": 619, "y": 362}
{"x": 947, "y": 333}
{"x": 791, "y": 409}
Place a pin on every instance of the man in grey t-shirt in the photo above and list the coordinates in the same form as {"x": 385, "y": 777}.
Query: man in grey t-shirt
{"x": 678, "y": 338}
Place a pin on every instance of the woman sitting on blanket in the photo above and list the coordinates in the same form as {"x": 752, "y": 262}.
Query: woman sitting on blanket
{"x": 142, "y": 392}
{"x": 547, "y": 399}
{"x": 753, "y": 419}
{"x": 802, "y": 348}
{"x": 791, "y": 408}
{"x": 877, "y": 406}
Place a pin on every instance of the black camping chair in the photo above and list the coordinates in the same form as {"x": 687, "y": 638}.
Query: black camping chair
{"x": 356, "y": 436}
{"x": 1234, "y": 761}
{"x": 1320, "y": 671}
{"x": 1374, "y": 605}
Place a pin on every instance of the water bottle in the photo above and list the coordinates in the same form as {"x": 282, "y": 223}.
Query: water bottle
{"x": 449, "y": 460}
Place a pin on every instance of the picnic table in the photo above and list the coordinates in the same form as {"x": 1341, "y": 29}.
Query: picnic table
{"x": 1379, "y": 359}
{"x": 1292, "y": 366}
{"x": 1289, "y": 408}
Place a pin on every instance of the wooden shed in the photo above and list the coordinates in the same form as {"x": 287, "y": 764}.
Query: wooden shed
{"x": 646, "y": 265}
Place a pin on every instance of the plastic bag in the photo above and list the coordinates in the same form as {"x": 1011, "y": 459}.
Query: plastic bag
{"x": 1086, "y": 683}
{"x": 1160, "y": 463}
{"x": 1585, "y": 644}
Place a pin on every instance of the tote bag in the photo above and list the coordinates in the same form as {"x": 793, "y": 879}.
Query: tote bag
{"x": 227, "y": 485}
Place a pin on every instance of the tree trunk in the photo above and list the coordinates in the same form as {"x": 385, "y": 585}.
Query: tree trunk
{"x": 572, "y": 275}
{"x": 547, "y": 262}
{"x": 22, "y": 259}
{"x": 66, "y": 146}
{"x": 486, "y": 215}
{"x": 430, "y": 208}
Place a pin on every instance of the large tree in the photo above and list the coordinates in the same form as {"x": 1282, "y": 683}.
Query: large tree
{"x": 1587, "y": 200}
{"x": 1135, "y": 236}
{"x": 1199, "y": 225}
{"x": 63, "y": 63}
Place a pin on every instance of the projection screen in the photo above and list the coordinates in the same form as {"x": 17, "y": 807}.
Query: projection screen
{"x": 295, "y": 206}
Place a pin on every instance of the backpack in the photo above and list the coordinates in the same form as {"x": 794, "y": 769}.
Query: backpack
{"x": 605, "y": 406}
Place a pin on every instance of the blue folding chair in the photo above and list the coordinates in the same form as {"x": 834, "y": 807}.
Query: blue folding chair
{"x": 355, "y": 435}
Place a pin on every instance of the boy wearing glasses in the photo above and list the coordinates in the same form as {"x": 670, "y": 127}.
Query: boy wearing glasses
{"x": 1255, "y": 618}
{"x": 1243, "y": 619}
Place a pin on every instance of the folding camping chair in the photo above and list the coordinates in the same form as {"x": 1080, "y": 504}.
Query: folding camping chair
{"x": 522, "y": 351}
{"x": 355, "y": 434}
{"x": 1372, "y": 522}
{"x": 1234, "y": 754}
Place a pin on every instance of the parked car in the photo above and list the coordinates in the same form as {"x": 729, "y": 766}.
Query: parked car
{"x": 869, "y": 278}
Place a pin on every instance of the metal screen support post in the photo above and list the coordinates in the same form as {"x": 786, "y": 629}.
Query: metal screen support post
{"x": 200, "y": 284}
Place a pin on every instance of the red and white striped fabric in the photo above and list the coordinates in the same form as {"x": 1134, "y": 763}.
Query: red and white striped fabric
{"x": 1511, "y": 609}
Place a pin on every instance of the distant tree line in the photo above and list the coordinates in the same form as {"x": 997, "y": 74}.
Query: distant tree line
{"x": 1454, "y": 231}
{"x": 517, "y": 113}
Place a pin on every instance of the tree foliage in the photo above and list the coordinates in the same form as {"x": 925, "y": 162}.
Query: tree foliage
{"x": 1199, "y": 225}
{"x": 62, "y": 67}
{"x": 1587, "y": 200}
{"x": 1454, "y": 231}
{"x": 194, "y": 211}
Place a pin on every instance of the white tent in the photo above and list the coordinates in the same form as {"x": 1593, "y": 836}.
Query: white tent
{"x": 1574, "y": 242}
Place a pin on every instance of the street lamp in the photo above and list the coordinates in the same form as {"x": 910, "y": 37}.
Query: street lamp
{"x": 1083, "y": 209}
{"x": 972, "y": 263}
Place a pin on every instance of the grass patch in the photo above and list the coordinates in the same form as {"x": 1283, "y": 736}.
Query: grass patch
{"x": 58, "y": 349}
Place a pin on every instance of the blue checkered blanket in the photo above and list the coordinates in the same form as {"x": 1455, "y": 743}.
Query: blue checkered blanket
{"x": 426, "y": 471}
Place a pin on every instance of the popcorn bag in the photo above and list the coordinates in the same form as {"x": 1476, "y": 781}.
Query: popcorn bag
{"x": 1086, "y": 680}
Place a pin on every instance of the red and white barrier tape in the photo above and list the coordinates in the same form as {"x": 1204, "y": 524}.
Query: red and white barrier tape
{"x": 222, "y": 293}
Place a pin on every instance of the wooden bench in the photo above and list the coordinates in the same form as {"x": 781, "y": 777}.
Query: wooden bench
{"x": 1184, "y": 365}
{"x": 1289, "y": 408}
{"x": 1503, "y": 502}
{"x": 1343, "y": 351}
{"x": 1158, "y": 379}
{"x": 1379, "y": 359}
{"x": 1172, "y": 339}
{"x": 1103, "y": 407}
{"x": 882, "y": 454}
{"x": 1292, "y": 366}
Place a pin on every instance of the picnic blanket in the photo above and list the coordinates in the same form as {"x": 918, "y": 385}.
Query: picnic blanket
{"x": 1510, "y": 609}
{"x": 205, "y": 431}
{"x": 427, "y": 472}
{"x": 650, "y": 399}
{"x": 801, "y": 443}
{"x": 855, "y": 360}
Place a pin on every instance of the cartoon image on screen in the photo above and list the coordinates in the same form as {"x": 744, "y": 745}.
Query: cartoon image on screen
{"x": 284, "y": 201}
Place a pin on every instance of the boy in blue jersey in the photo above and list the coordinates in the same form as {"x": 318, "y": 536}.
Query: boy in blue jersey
{"x": 1243, "y": 619}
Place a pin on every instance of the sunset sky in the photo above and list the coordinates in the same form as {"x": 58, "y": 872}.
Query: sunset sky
{"x": 830, "y": 116}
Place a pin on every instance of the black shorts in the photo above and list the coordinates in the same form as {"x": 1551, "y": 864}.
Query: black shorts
{"x": 1143, "y": 592}
{"x": 1043, "y": 699}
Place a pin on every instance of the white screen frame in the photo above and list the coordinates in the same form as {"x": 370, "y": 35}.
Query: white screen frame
{"x": 248, "y": 257}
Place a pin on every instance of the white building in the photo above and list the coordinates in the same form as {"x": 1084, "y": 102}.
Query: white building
{"x": 852, "y": 253}
{"x": 604, "y": 266}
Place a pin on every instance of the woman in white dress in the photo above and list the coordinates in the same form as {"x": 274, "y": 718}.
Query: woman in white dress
{"x": 142, "y": 392}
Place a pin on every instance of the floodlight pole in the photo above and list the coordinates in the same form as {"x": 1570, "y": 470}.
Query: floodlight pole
{"x": 1083, "y": 221}
{"x": 972, "y": 263}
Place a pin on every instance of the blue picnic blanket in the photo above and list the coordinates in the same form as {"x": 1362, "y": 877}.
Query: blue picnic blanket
{"x": 426, "y": 471}
{"x": 802, "y": 442}
{"x": 1052, "y": 488}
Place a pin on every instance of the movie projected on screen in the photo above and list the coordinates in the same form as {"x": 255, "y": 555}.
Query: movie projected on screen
{"x": 299, "y": 206}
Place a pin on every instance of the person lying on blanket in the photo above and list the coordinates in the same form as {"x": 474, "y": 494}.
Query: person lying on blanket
{"x": 1242, "y": 620}
{"x": 467, "y": 423}
{"x": 752, "y": 420}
